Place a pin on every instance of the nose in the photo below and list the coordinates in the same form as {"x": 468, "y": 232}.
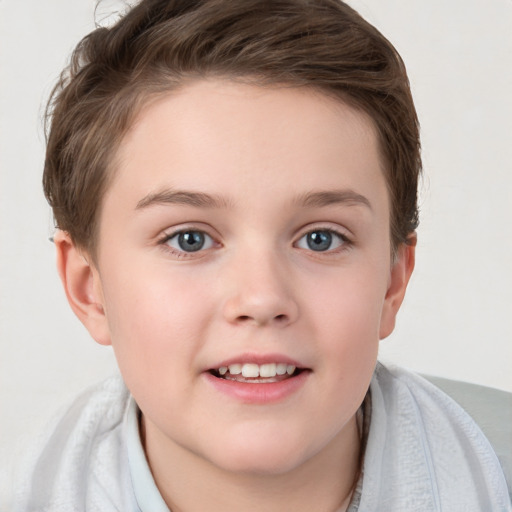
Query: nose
{"x": 260, "y": 292}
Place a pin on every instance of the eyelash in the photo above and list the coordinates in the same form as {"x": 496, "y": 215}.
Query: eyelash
{"x": 182, "y": 253}
{"x": 345, "y": 242}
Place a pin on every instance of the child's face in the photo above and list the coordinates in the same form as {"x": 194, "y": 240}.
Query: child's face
{"x": 247, "y": 226}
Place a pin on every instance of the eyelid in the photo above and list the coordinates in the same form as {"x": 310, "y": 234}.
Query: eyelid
{"x": 325, "y": 226}
{"x": 343, "y": 234}
{"x": 173, "y": 232}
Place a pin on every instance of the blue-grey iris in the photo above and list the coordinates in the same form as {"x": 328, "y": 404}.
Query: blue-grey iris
{"x": 319, "y": 240}
{"x": 191, "y": 241}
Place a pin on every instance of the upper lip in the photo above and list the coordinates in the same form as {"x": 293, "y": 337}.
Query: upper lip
{"x": 257, "y": 359}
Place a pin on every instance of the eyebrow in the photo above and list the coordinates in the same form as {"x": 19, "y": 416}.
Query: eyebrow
{"x": 184, "y": 197}
{"x": 329, "y": 197}
{"x": 202, "y": 200}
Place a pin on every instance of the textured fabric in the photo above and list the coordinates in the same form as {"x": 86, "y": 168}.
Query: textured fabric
{"x": 423, "y": 453}
{"x": 492, "y": 411}
{"x": 82, "y": 463}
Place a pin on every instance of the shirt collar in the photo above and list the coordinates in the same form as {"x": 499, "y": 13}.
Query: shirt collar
{"x": 146, "y": 492}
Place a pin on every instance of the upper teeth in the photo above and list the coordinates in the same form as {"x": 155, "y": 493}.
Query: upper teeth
{"x": 258, "y": 370}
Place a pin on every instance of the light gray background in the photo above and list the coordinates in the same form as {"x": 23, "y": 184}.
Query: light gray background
{"x": 456, "y": 321}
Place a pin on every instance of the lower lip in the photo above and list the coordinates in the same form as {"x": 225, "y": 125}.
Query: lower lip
{"x": 259, "y": 393}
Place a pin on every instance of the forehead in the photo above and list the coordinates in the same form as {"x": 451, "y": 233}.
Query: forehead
{"x": 224, "y": 137}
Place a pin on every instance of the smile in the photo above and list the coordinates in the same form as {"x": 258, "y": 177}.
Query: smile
{"x": 253, "y": 383}
{"x": 255, "y": 373}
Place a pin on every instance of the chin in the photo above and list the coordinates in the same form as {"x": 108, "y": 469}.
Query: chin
{"x": 271, "y": 466}
{"x": 261, "y": 455}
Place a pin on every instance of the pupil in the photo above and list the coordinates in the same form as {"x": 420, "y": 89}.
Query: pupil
{"x": 191, "y": 241}
{"x": 319, "y": 240}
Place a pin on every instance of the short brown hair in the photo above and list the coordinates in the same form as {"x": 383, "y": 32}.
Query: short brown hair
{"x": 161, "y": 44}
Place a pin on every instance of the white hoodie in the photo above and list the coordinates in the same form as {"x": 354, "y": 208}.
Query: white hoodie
{"x": 423, "y": 453}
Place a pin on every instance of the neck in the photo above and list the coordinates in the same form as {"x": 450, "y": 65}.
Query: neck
{"x": 187, "y": 482}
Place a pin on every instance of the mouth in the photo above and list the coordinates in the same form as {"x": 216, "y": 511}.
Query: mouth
{"x": 252, "y": 373}
{"x": 258, "y": 379}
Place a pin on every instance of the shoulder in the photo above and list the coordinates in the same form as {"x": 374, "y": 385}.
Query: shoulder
{"x": 99, "y": 406}
{"x": 96, "y": 411}
{"x": 429, "y": 442}
{"x": 491, "y": 409}
{"x": 82, "y": 449}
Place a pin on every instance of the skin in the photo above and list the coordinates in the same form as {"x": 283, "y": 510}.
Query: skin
{"x": 256, "y": 288}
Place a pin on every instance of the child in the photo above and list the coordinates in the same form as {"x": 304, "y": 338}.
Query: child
{"x": 234, "y": 186}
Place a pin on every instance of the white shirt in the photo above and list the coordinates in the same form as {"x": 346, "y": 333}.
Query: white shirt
{"x": 423, "y": 454}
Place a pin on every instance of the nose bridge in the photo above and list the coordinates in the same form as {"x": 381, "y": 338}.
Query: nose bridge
{"x": 259, "y": 289}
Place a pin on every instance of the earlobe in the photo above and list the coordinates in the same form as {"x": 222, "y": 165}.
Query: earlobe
{"x": 399, "y": 278}
{"x": 82, "y": 286}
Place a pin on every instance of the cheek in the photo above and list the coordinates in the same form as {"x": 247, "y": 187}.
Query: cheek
{"x": 350, "y": 302}
{"x": 348, "y": 316}
{"x": 152, "y": 300}
{"x": 155, "y": 320}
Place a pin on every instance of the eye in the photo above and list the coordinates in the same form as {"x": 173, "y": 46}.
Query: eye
{"x": 322, "y": 240}
{"x": 189, "y": 241}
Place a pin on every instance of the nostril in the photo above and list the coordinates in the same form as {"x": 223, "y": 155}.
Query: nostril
{"x": 246, "y": 318}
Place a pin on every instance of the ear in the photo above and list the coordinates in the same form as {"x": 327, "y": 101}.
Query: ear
{"x": 399, "y": 278}
{"x": 82, "y": 285}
